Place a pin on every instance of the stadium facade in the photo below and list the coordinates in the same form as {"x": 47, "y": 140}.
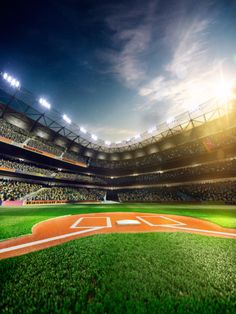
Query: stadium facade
{"x": 45, "y": 158}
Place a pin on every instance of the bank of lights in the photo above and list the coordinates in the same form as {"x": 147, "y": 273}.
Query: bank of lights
{"x": 83, "y": 130}
{"x": 11, "y": 80}
{"x": 94, "y": 137}
{"x": 44, "y": 103}
{"x": 170, "y": 120}
{"x": 151, "y": 130}
{"x": 108, "y": 143}
{"x": 66, "y": 118}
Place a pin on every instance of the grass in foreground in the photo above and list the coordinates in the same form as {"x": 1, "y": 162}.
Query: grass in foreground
{"x": 124, "y": 273}
{"x": 16, "y": 221}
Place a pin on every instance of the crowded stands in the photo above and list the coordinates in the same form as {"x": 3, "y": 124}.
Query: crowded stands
{"x": 18, "y": 135}
{"x": 45, "y": 146}
{"x": 74, "y": 156}
{"x": 33, "y": 169}
{"x": 200, "y": 171}
{"x": 12, "y": 132}
{"x": 14, "y": 190}
{"x": 223, "y": 191}
{"x": 160, "y": 177}
{"x": 214, "y": 192}
{"x": 69, "y": 194}
{"x": 190, "y": 149}
{"x": 25, "y": 167}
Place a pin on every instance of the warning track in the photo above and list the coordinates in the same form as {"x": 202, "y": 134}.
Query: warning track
{"x": 62, "y": 229}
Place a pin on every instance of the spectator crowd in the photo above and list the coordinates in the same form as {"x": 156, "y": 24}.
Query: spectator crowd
{"x": 69, "y": 194}
{"x": 213, "y": 192}
{"x": 14, "y": 190}
{"x": 19, "y": 135}
{"x": 29, "y": 168}
{"x": 202, "y": 171}
{"x": 198, "y": 146}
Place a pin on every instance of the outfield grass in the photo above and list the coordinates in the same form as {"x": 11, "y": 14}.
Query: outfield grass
{"x": 124, "y": 273}
{"x": 16, "y": 221}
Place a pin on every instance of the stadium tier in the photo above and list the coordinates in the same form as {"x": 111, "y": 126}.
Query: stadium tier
{"x": 193, "y": 161}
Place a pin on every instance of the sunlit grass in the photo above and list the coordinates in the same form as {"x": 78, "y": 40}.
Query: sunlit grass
{"x": 124, "y": 273}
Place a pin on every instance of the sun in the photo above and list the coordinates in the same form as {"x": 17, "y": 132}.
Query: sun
{"x": 224, "y": 90}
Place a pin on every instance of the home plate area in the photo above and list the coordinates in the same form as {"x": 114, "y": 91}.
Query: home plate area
{"x": 62, "y": 229}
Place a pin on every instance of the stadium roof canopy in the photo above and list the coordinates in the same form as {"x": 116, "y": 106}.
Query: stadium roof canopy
{"x": 23, "y": 101}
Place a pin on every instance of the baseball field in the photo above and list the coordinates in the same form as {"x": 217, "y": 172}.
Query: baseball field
{"x": 177, "y": 259}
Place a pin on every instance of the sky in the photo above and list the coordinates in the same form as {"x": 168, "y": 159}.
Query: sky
{"x": 118, "y": 68}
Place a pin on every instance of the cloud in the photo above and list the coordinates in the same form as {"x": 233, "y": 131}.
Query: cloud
{"x": 132, "y": 33}
{"x": 188, "y": 77}
{"x": 191, "y": 47}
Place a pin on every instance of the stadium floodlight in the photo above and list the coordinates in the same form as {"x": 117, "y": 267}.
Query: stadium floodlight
{"x": 118, "y": 142}
{"x": 83, "y": 130}
{"x": 128, "y": 139}
{"x": 137, "y": 136}
{"x": 11, "y": 80}
{"x": 67, "y": 119}
{"x": 194, "y": 108}
{"x": 170, "y": 120}
{"x": 108, "y": 143}
{"x": 151, "y": 130}
{"x": 94, "y": 137}
{"x": 44, "y": 103}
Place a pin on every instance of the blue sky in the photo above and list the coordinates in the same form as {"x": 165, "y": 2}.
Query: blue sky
{"x": 118, "y": 68}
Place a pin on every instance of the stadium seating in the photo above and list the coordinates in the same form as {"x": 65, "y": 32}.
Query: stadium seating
{"x": 69, "y": 194}
{"x": 186, "y": 181}
{"x": 12, "y": 132}
{"x": 74, "y": 156}
{"x": 13, "y": 190}
{"x": 219, "y": 191}
{"x": 33, "y": 169}
{"x": 24, "y": 167}
{"x": 19, "y": 135}
{"x": 45, "y": 146}
{"x": 197, "y": 172}
{"x": 208, "y": 191}
{"x": 191, "y": 149}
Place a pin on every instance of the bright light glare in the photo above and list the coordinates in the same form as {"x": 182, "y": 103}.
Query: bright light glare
{"x": 151, "y": 130}
{"x": 194, "y": 108}
{"x": 118, "y": 142}
{"x": 44, "y": 103}
{"x": 137, "y": 136}
{"x": 94, "y": 137}
{"x": 223, "y": 90}
{"x": 11, "y": 80}
{"x": 67, "y": 119}
{"x": 170, "y": 120}
{"x": 83, "y": 130}
{"x": 108, "y": 143}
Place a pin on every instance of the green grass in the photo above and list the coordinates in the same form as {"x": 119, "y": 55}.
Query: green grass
{"x": 121, "y": 273}
{"x": 124, "y": 273}
{"x": 16, "y": 221}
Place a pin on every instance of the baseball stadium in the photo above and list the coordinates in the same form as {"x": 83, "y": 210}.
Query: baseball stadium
{"x": 145, "y": 224}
